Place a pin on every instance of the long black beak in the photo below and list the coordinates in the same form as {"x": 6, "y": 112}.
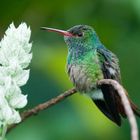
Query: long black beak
{"x": 62, "y": 32}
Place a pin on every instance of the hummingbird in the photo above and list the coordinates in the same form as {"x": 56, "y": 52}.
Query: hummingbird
{"x": 89, "y": 61}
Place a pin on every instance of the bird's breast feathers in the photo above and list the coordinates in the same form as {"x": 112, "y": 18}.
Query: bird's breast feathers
{"x": 85, "y": 72}
{"x": 84, "y": 77}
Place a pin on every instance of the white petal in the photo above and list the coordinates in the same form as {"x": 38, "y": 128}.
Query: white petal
{"x": 5, "y": 113}
{"x": 15, "y": 117}
{"x": 26, "y": 60}
{"x": 18, "y": 101}
{"x": 22, "y": 77}
{"x": 12, "y": 90}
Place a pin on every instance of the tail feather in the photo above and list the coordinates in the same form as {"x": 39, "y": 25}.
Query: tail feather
{"x": 111, "y": 104}
{"x": 135, "y": 109}
{"x": 121, "y": 109}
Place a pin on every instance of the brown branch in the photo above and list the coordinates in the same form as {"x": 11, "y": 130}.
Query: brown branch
{"x": 35, "y": 110}
{"x": 126, "y": 105}
{"x": 117, "y": 87}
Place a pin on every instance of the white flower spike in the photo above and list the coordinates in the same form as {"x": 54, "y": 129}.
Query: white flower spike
{"x": 15, "y": 56}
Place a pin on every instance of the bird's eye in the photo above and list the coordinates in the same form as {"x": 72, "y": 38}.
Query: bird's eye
{"x": 80, "y": 34}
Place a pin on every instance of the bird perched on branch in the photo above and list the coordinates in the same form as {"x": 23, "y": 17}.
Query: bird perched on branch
{"x": 88, "y": 62}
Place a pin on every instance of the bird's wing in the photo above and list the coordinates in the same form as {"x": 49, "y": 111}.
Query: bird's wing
{"x": 112, "y": 106}
{"x": 110, "y": 69}
{"x": 109, "y": 64}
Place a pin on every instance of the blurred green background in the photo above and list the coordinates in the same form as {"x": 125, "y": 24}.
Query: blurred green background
{"x": 117, "y": 23}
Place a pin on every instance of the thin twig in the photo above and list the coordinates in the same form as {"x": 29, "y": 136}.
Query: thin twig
{"x": 126, "y": 105}
{"x": 117, "y": 87}
{"x": 35, "y": 110}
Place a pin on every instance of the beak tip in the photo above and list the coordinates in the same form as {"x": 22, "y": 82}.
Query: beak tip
{"x": 42, "y": 28}
{"x": 62, "y": 32}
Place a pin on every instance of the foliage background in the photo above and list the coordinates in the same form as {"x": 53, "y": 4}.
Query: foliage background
{"x": 117, "y": 23}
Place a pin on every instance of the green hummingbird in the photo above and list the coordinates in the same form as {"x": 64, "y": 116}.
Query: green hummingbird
{"x": 88, "y": 62}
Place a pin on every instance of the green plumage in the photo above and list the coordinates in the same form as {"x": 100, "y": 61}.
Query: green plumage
{"x": 84, "y": 70}
{"x": 89, "y": 61}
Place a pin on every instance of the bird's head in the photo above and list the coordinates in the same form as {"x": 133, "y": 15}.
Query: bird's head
{"x": 79, "y": 36}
